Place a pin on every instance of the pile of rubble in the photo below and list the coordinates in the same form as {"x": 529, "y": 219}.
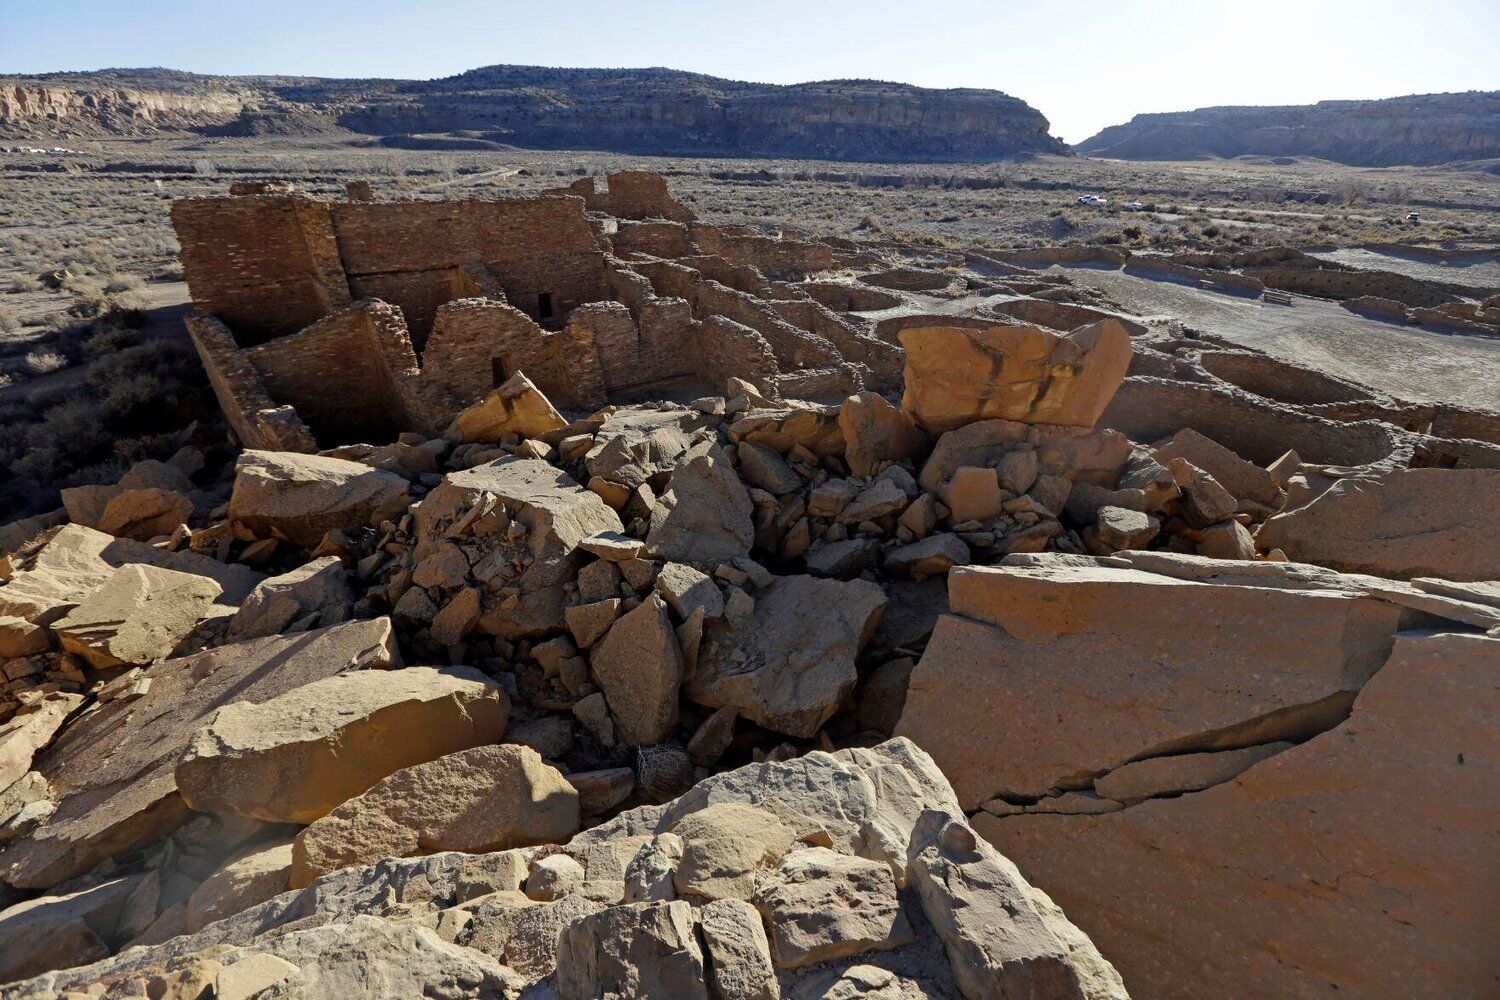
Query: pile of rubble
{"x": 638, "y": 699}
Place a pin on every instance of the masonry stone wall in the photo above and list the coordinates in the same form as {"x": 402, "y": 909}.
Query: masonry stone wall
{"x": 659, "y": 239}
{"x": 265, "y": 265}
{"x": 777, "y": 258}
{"x": 1334, "y": 284}
{"x": 257, "y": 420}
{"x": 733, "y": 349}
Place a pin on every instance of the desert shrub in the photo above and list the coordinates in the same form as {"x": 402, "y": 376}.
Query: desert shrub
{"x": 8, "y": 322}
{"x": 44, "y": 362}
{"x": 122, "y": 283}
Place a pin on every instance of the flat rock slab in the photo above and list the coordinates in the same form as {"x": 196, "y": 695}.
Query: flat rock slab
{"x": 139, "y": 615}
{"x": 1375, "y": 838}
{"x": 300, "y": 498}
{"x": 1044, "y": 676}
{"x": 62, "y": 567}
{"x": 293, "y": 758}
{"x": 488, "y": 798}
{"x": 112, "y": 770}
{"x": 1408, "y": 523}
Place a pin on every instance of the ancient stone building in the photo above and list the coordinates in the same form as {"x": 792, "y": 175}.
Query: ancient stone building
{"x": 326, "y": 323}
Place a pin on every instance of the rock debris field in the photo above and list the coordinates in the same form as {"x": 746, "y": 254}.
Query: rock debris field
{"x": 594, "y": 602}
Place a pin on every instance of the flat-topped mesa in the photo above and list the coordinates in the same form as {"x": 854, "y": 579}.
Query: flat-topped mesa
{"x": 421, "y": 308}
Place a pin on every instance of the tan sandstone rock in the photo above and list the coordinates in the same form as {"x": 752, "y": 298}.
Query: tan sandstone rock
{"x": 1094, "y": 667}
{"x": 517, "y": 407}
{"x": 822, "y": 905}
{"x": 139, "y": 615}
{"x": 791, "y": 664}
{"x": 294, "y": 758}
{"x": 300, "y": 498}
{"x": 704, "y": 517}
{"x": 112, "y": 770}
{"x": 1360, "y": 861}
{"x": 876, "y": 432}
{"x": 251, "y": 878}
{"x": 638, "y": 664}
{"x": 957, "y": 375}
{"x": 489, "y": 798}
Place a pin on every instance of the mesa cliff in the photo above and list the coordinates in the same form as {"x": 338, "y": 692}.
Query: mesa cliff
{"x": 656, "y": 111}
{"x": 1421, "y": 129}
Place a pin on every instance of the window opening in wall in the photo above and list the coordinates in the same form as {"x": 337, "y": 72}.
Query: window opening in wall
{"x": 544, "y": 305}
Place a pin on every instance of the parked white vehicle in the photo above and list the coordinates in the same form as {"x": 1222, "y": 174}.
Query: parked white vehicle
{"x": 1092, "y": 199}
{"x": 1135, "y": 206}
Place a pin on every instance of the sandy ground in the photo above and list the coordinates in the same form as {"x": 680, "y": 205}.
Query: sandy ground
{"x": 1480, "y": 270}
{"x": 1405, "y": 361}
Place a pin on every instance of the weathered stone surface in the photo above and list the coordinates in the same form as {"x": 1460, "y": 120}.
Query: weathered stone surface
{"x": 639, "y": 667}
{"x": 139, "y": 615}
{"x": 1073, "y": 657}
{"x": 516, "y": 408}
{"x": 1412, "y": 522}
{"x": 957, "y": 375}
{"x": 588, "y": 623}
{"x": 1095, "y": 456}
{"x": 725, "y": 848}
{"x": 293, "y": 758}
{"x": 523, "y": 933}
{"x": 58, "y": 931}
{"x": 761, "y": 466}
{"x": 843, "y": 560}
{"x": 319, "y": 586}
{"x": 112, "y": 770}
{"x": 1372, "y": 839}
{"x": 1188, "y": 772}
{"x": 250, "y": 879}
{"x": 62, "y": 567}
{"x": 704, "y": 517}
{"x": 19, "y": 637}
{"x": 489, "y": 798}
{"x": 303, "y": 497}
{"x": 686, "y": 589}
{"x": 822, "y": 905}
{"x": 738, "y": 953}
{"x": 792, "y": 664}
{"x": 932, "y": 556}
{"x": 972, "y": 494}
{"x": 634, "y": 950}
{"x": 28, "y": 731}
{"x": 1227, "y": 540}
{"x": 1004, "y": 937}
{"x": 876, "y": 432}
{"x": 1244, "y": 480}
{"x": 1125, "y": 529}
{"x": 635, "y": 444}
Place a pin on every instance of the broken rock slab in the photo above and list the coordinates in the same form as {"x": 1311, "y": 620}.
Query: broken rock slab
{"x": 28, "y": 731}
{"x": 635, "y": 444}
{"x": 876, "y": 432}
{"x": 516, "y": 408}
{"x": 141, "y": 614}
{"x": 488, "y": 798}
{"x": 790, "y": 666}
{"x": 1375, "y": 838}
{"x": 112, "y": 770}
{"x": 1098, "y": 666}
{"x": 1404, "y": 524}
{"x": 295, "y": 757}
{"x": 318, "y": 587}
{"x": 959, "y": 375}
{"x": 704, "y": 517}
{"x": 638, "y": 665}
{"x": 300, "y": 498}
{"x": 59, "y": 569}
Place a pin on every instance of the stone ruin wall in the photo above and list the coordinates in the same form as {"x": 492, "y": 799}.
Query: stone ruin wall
{"x": 255, "y": 418}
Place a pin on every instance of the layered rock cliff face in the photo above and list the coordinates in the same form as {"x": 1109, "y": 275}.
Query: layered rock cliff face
{"x": 639, "y": 111}
{"x": 1421, "y": 129}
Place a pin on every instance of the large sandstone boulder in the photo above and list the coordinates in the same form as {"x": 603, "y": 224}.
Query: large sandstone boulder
{"x": 1092, "y": 667}
{"x": 958, "y": 375}
{"x": 876, "y": 432}
{"x": 28, "y": 731}
{"x": 1361, "y": 861}
{"x": 1408, "y": 523}
{"x": 790, "y": 664}
{"x": 112, "y": 771}
{"x": 249, "y": 879}
{"x": 52, "y": 932}
{"x": 968, "y": 890}
{"x": 139, "y": 615}
{"x": 1090, "y": 456}
{"x": 638, "y": 665}
{"x": 489, "y": 798}
{"x": 318, "y": 591}
{"x": 704, "y": 517}
{"x": 60, "y": 568}
{"x": 293, "y": 758}
{"x": 634, "y": 950}
{"x": 300, "y": 498}
{"x": 517, "y": 408}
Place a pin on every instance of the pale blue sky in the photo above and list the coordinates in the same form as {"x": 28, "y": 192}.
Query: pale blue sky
{"x": 1085, "y": 63}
